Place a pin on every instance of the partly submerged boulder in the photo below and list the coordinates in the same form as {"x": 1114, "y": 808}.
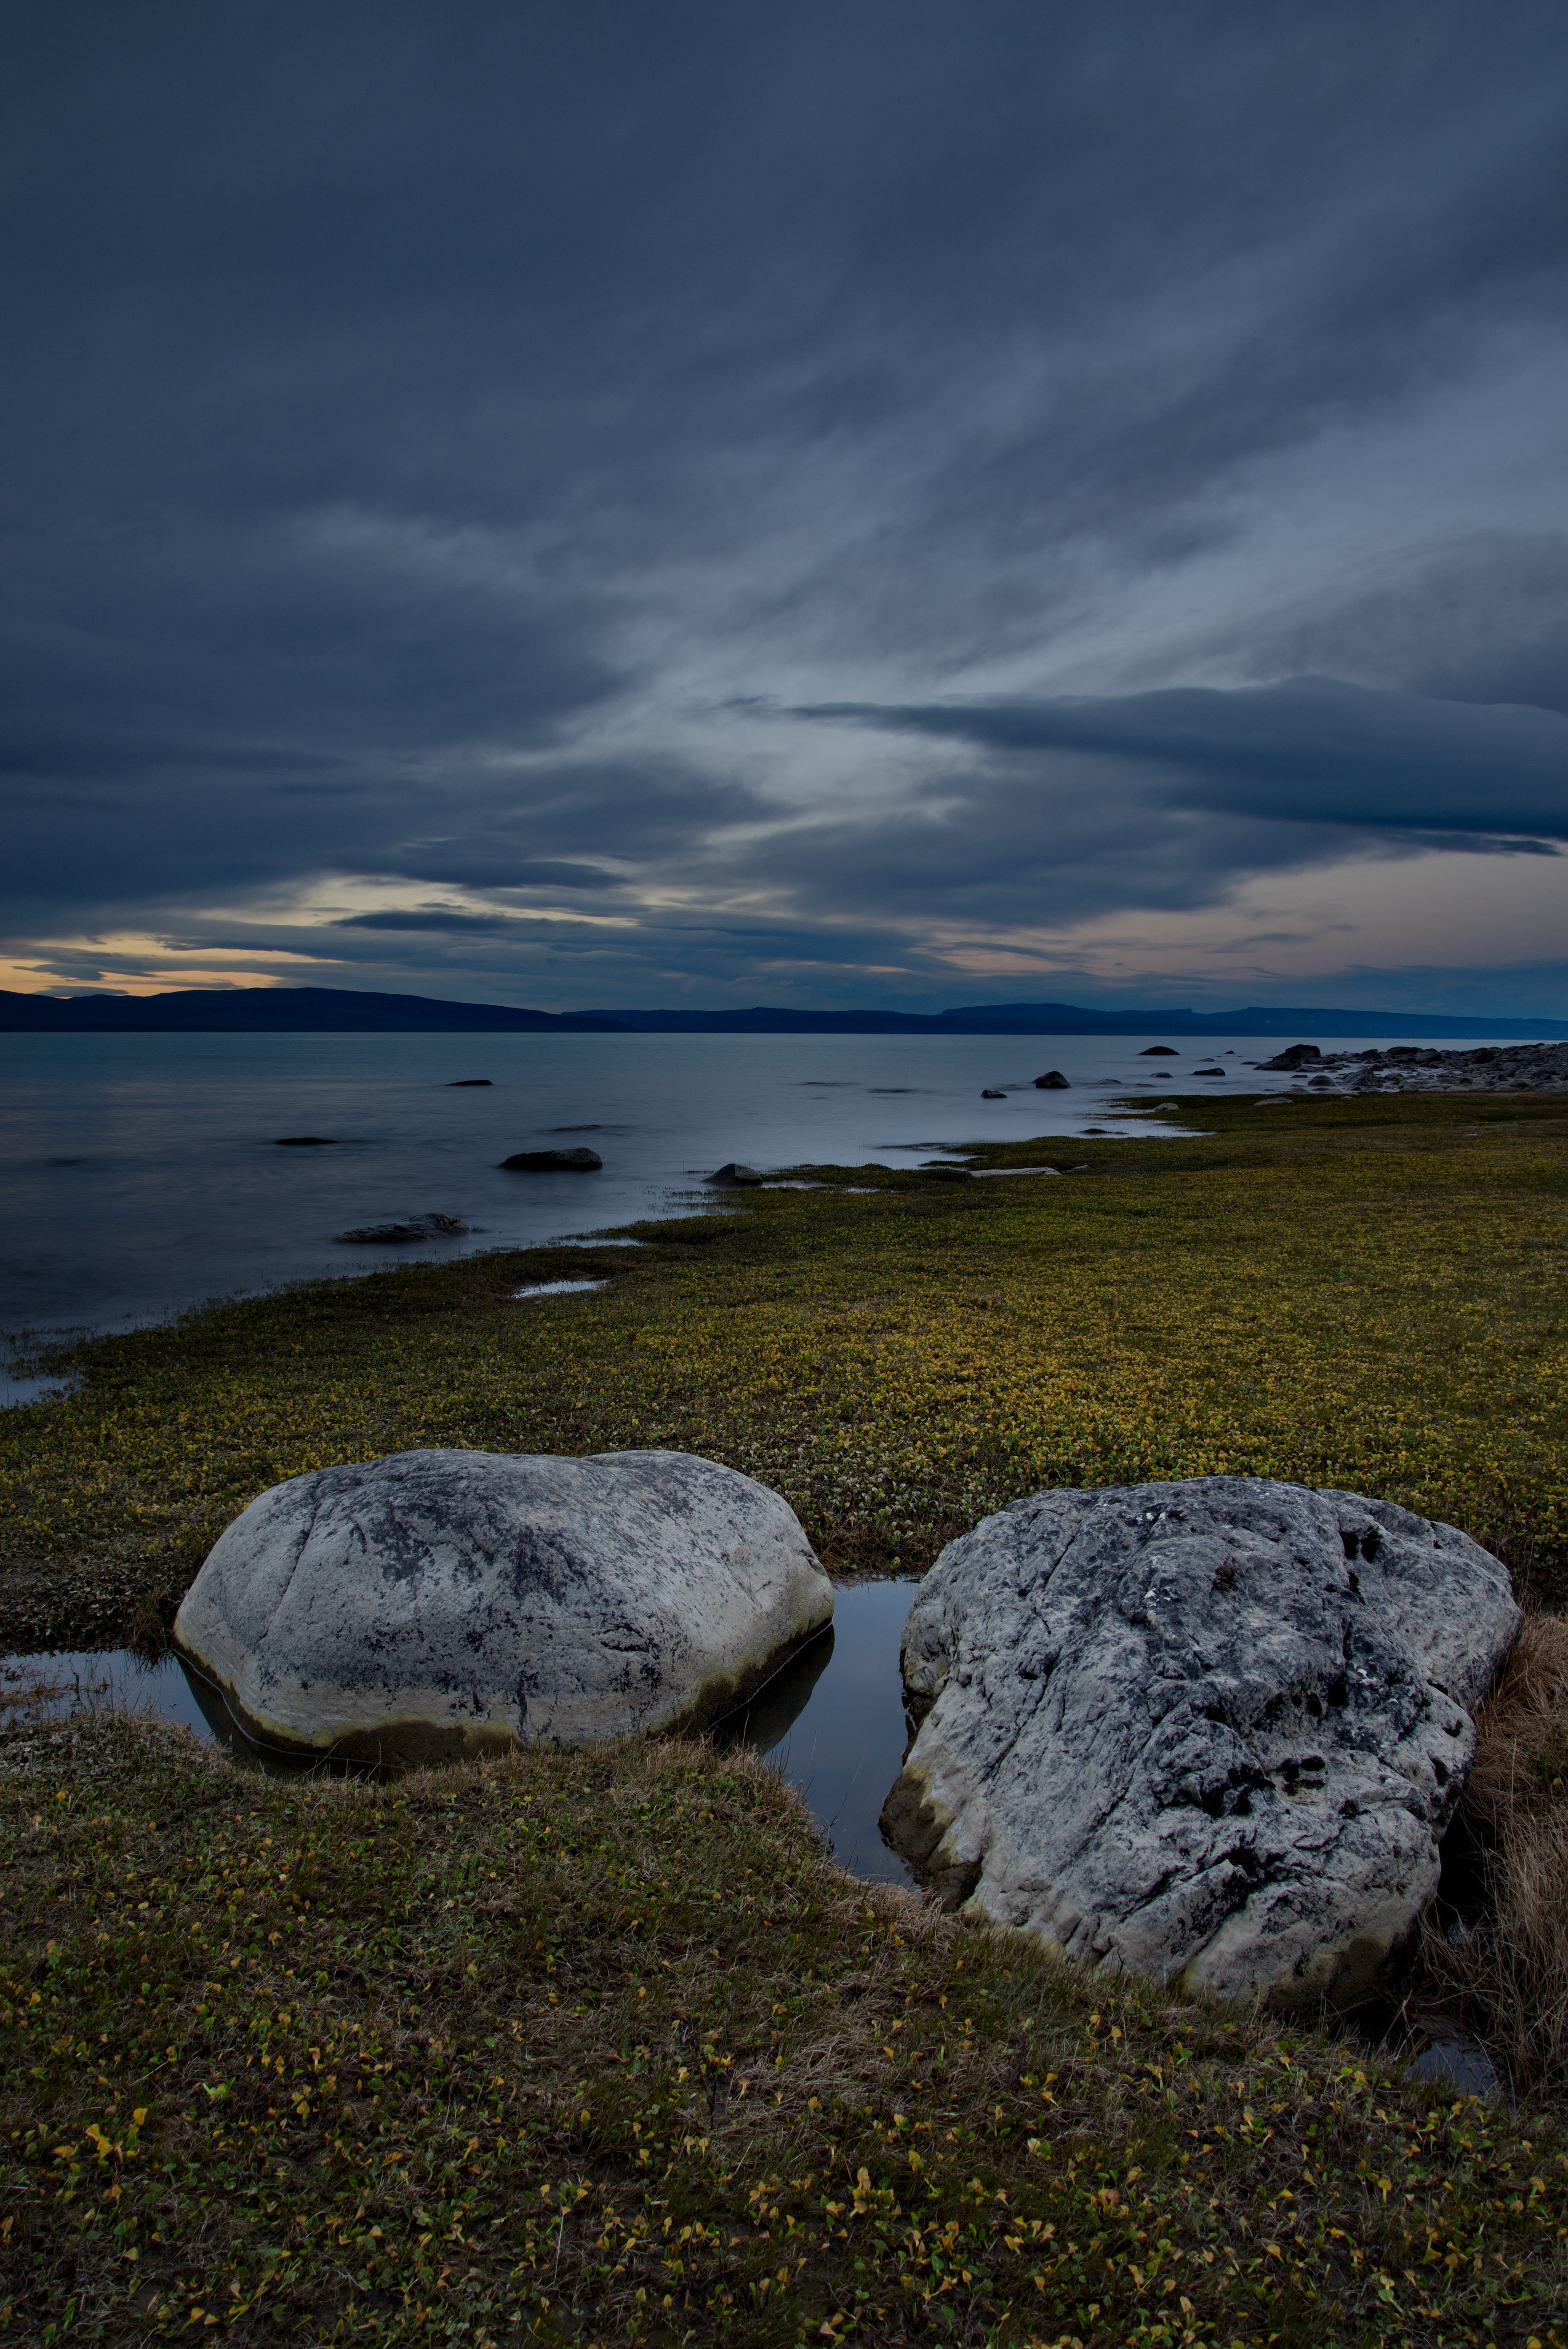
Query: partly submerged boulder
{"x": 412, "y": 1227}
{"x": 436, "y": 1603}
{"x": 577, "y": 1161}
{"x": 745, "y": 1177}
{"x": 1294, "y": 1056}
{"x": 1211, "y": 1732}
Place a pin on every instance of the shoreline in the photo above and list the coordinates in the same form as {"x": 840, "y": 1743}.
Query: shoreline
{"x": 600, "y": 2047}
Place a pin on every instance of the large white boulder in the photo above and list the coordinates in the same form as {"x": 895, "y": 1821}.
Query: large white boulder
{"x": 1211, "y": 1732}
{"x": 436, "y": 1603}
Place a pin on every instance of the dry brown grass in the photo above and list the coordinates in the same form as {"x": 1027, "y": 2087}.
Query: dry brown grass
{"x": 1513, "y": 1974}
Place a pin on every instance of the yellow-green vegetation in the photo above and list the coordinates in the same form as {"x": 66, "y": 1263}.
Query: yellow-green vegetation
{"x": 604, "y": 2048}
{"x": 1365, "y": 1293}
{"x": 601, "y": 2048}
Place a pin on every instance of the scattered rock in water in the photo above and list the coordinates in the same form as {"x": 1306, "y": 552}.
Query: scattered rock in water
{"x": 1208, "y": 1072}
{"x": 306, "y": 1142}
{"x": 993, "y": 1092}
{"x": 1053, "y": 1082}
{"x": 551, "y": 1162}
{"x": 1211, "y": 1732}
{"x": 1490, "y": 1067}
{"x": 414, "y": 1227}
{"x": 1159, "y": 1053}
{"x": 1294, "y": 1056}
{"x": 457, "y": 1084}
{"x": 440, "y": 1603}
{"x": 744, "y": 1176}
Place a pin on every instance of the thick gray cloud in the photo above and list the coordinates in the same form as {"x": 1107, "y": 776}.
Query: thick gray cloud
{"x": 1483, "y": 620}
{"x": 1306, "y": 752}
{"x": 427, "y": 428}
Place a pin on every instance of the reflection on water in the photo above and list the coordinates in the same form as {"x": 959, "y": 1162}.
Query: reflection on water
{"x": 1460, "y": 2063}
{"x": 834, "y": 1723}
{"x": 777, "y": 1705}
{"x": 832, "y": 1720}
{"x": 61, "y": 1682}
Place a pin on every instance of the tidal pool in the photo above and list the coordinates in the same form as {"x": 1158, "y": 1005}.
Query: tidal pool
{"x": 832, "y": 1720}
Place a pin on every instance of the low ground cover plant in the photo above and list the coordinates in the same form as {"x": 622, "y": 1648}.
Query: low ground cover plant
{"x": 604, "y": 2048}
{"x": 1362, "y": 1293}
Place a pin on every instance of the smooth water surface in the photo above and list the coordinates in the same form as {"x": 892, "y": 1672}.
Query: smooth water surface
{"x": 832, "y": 1720}
{"x": 144, "y": 1174}
{"x": 833, "y": 1723}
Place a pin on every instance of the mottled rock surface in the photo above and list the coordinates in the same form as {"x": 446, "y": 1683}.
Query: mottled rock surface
{"x": 1211, "y": 1732}
{"x": 578, "y": 1161}
{"x": 1410, "y": 1067}
{"x": 434, "y": 1603}
{"x": 414, "y": 1227}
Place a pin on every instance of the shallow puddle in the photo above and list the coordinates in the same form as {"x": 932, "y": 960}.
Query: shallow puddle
{"x": 832, "y": 1720}
{"x": 832, "y": 1723}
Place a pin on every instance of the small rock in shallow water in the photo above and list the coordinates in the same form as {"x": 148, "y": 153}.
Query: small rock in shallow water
{"x": 1053, "y": 1082}
{"x": 1211, "y": 1732}
{"x": 551, "y": 1162}
{"x": 746, "y": 1176}
{"x": 304, "y": 1141}
{"x": 414, "y": 1227}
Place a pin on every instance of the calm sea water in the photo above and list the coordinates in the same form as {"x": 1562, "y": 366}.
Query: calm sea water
{"x": 141, "y": 1176}
{"x": 141, "y": 1173}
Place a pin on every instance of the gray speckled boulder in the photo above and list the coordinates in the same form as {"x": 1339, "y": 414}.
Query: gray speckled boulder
{"x": 1211, "y": 1732}
{"x": 436, "y": 1603}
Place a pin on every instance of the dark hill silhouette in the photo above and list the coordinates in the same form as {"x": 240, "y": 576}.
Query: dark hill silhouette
{"x": 285, "y": 1010}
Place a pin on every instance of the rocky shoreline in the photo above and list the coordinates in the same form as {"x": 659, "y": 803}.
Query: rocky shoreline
{"x": 1413, "y": 1068}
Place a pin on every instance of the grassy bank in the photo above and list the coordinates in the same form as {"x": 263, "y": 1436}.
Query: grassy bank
{"x": 1365, "y": 1293}
{"x": 604, "y": 2048}
{"x": 601, "y": 2048}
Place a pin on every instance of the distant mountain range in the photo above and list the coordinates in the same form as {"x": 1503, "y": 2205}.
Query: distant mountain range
{"x": 1069, "y": 1020}
{"x": 324, "y": 1011}
{"x": 275, "y": 1011}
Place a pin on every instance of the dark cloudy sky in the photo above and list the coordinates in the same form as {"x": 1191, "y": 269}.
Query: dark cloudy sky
{"x": 890, "y": 501}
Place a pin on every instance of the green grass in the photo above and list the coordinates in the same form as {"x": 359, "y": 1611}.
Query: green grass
{"x": 1363, "y": 1293}
{"x": 603, "y": 2048}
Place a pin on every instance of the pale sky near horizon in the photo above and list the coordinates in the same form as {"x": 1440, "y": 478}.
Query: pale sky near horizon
{"x": 884, "y": 503}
